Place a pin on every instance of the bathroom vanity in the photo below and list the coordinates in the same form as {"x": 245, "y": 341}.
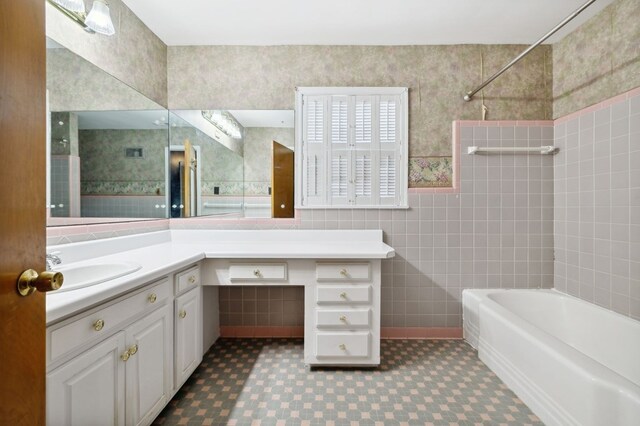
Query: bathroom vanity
{"x": 138, "y": 337}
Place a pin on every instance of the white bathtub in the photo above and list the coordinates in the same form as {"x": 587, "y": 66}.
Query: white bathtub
{"x": 571, "y": 362}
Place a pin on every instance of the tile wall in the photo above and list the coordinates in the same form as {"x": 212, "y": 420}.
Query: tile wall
{"x": 597, "y": 204}
{"x": 496, "y": 231}
{"x": 143, "y": 206}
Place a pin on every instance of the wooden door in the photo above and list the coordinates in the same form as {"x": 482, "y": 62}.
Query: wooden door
{"x": 89, "y": 389}
{"x": 281, "y": 181}
{"x": 149, "y": 370}
{"x": 23, "y": 215}
{"x": 189, "y": 190}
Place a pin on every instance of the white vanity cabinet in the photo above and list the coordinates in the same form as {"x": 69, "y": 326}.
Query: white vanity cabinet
{"x": 342, "y": 324}
{"x": 114, "y": 364}
{"x": 89, "y": 389}
{"x": 188, "y": 347}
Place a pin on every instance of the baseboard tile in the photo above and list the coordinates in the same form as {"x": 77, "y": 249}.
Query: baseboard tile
{"x": 386, "y": 332}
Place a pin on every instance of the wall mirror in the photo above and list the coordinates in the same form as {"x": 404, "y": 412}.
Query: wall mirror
{"x": 231, "y": 163}
{"x": 107, "y": 146}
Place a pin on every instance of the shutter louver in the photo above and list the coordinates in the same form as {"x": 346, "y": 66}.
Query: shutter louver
{"x": 387, "y": 176}
{"x": 339, "y": 121}
{"x": 387, "y": 122}
{"x": 363, "y": 176}
{"x": 313, "y": 176}
{"x": 339, "y": 176}
{"x": 363, "y": 122}
{"x": 315, "y": 121}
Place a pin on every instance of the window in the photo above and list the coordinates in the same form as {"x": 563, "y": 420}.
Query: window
{"x": 351, "y": 147}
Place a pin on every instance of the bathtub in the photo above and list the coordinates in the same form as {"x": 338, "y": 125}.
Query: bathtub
{"x": 571, "y": 362}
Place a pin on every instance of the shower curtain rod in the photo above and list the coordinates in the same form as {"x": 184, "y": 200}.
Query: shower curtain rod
{"x": 470, "y": 94}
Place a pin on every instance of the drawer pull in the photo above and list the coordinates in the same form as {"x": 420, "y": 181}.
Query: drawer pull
{"x": 344, "y": 273}
{"x": 192, "y": 279}
{"x": 343, "y": 295}
{"x": 133, "y": 350}
{"x": 343, "y": 318}
{"x": 257, "y": 273}
{"x": 152, "y": 298}
{"x": 343, "y": 347}
{"x": 98, "y": 325}
{"x": 125, "y": 356}
{"x": 182, "y": 313}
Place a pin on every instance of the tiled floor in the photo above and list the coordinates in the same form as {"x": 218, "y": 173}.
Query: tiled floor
{"x": 265, "y": 382}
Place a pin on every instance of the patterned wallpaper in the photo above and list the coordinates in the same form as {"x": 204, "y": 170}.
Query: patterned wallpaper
{"x": 105, "y": 169}
{"x": 599, "y": 60}
{"x": 257, "y": 156}
{"x": 134, "y": 55}
{"x": 75, "y": 84}
{"x": 265, "y": 77}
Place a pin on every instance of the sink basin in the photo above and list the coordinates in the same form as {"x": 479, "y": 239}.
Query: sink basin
{"x": 81, "y": 276}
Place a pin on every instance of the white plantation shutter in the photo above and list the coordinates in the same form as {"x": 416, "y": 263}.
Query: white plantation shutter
{"x": 339, "y": 178}
{"x": 388, "y": 187}
{"x": 354, "y": 147}
{"x": 315, "y": 121}
{"x": 339, "y": 120}
{"x": 315, "y": 141}
{"x": 363, "y": 120}
{"x": 388, "y": 121}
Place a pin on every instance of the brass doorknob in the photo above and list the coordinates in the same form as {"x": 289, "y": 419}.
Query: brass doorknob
{"x": 31, "y": 281}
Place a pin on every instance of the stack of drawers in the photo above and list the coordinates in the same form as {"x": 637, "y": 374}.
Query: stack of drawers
{"x": 342, "y": 322}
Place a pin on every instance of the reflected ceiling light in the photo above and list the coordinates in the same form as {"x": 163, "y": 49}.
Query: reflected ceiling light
{"x": 72, "y": 5}
{"x": 97, "y": 21}
{"x": 224, "y": 121}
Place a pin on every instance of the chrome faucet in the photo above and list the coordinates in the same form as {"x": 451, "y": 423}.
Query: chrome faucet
{"x": 52, "y": 260}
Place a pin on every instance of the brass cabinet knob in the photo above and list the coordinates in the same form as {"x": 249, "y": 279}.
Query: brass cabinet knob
{"x": 343, "y": 347}
{"x": 343, "y": 318}
{"x": 192, "y": 279}
{"x": 344, "y": 272}
{"x": 182, "y": 313}
{"x": 133, "y": 350}
{"x": 31, "y": 281}
{"x": 257, "y": 273}
{"x": 343, "y": 295}
{"x": 152, "y": 298}
{"x": 98, "y": 325}
{"x": 125, "y": 356}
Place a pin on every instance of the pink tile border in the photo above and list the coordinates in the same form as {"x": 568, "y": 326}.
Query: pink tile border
{"x": 600, "y": 105}
{"x": 61, "y": 231}
{"x": 386, "y": 332}
{"x": 421, "y": 332}
{"x": 261, "y": 331}
{"x": 208, "y": 220}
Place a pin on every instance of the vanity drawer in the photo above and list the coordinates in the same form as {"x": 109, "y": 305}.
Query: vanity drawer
{"x": 187, "y": 279}
{"x": 78, "y": 331}
{"x": 343, "y": 318}
{"x": 345, "y": 345}
{"x": 344, "y": 294}
{"x": 343, "y": 271}
{"x": 258, "y": 272}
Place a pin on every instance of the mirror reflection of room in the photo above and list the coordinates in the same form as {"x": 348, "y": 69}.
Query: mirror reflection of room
{"x": 231, "y": 164}
{"x": 107, "y": 145}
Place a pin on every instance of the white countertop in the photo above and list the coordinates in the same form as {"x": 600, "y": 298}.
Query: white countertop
{"x": 164, "y": 252}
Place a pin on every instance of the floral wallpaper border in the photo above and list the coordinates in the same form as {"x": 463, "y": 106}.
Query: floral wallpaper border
{"x": 147, "y": 187}
{"x": 430, "y": 172}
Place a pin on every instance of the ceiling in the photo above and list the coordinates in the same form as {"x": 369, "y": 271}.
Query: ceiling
{"x": 357, "y": 22}
{"x": 264, "y": 118}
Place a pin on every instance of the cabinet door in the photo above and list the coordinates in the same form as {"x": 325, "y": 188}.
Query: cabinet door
{"x": 188, "y": 335}
{"x": 89, "y": 389}
{"x": 150, "y": 365}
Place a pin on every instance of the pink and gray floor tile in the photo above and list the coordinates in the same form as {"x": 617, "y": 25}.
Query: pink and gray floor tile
{"x": 420, "y": 382}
